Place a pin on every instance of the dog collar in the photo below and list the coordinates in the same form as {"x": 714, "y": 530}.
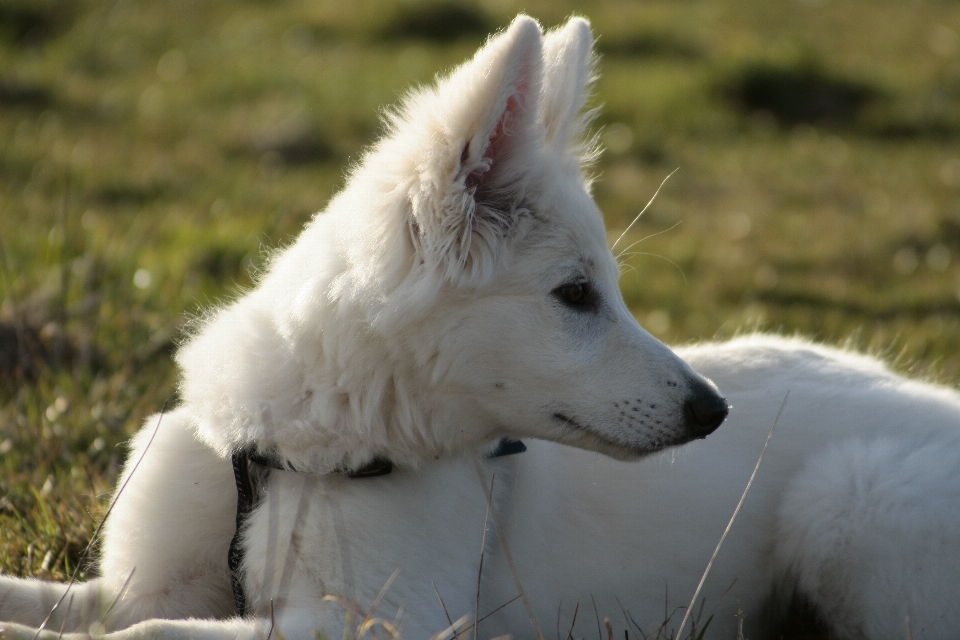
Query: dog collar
{"x": 269, "y": 460}
{"x": 247, "y": 494}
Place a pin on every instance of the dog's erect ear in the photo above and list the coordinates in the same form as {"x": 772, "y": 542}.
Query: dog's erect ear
{"x": 568, "y": 63}
{"x": 477, "y": 131}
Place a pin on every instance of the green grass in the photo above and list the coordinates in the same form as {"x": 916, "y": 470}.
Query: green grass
{"x": 150, "y": 152}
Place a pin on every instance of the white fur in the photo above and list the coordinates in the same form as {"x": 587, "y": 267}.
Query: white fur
{"x": 419, "y": 319}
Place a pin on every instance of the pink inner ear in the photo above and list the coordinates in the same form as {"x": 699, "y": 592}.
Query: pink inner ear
{"x": 498, "y": 140}
{"x": 498, "y": 145}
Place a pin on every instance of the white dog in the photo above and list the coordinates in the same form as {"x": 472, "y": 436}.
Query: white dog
{"x": 458, "y": 295}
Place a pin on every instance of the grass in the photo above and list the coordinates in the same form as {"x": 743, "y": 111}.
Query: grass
{"x": 150, "y": 152}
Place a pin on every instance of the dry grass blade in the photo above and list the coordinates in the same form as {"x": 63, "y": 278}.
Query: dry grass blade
{"x": 647, "y": 237}
{"x": 347, "y": 618}
{"x": 453, "y": 628}
{"x": 573, "y": 622}
{"x": 483, "y": 548}
{"x": 123, "y": 590}
{"x": 307, "y": 489}
{"x": 383, "y": 592}
{"x": 273, "y": 621}
{"x": 66, "y": 614}
{"x": 644, "y": 210}
{"x": 596, "y": 614}
{"x": 506, "y": 552}
{"x": 350, "y": 607}
{"x": 368, "y": 620}
{"x": 510, "y": 601}
{"x": 442, "y": 605}
{"x": 93, "y": 538}
{"x": 625, "y": 256}
{"x": 743, "y": 496}
{"x": 371, "y": 623}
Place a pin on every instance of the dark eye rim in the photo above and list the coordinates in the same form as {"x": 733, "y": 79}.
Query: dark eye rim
{"x": 579, "y": 295}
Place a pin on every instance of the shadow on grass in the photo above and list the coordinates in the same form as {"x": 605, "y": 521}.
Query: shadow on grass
{"x": 438, "y": 21}
{"x": 291, "y": 145}
{"x": 37, "y": 336}
{"x": 26, "y": 22}
{"x": 18, "y": 93}
{"x": 928, "y": 128}
{"x": 132, "y": 195}
{"x": 223, "y": 263}
{"x": 799, "y": 94}
{"x": 296, "y": 150}
{"x": 649, "y": 45}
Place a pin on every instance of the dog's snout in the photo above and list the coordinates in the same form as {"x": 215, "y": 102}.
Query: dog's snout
{"x": 704, "y": 411}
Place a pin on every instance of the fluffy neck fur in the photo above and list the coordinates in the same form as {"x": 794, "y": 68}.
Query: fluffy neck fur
{"x": 333, "y": 360}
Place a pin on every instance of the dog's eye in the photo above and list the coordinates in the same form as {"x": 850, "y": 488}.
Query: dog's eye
{"x": 577, "y": 295}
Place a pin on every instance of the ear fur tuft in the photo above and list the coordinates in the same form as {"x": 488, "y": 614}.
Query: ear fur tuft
{"x": 476, "y": 131}
{"x": 568, "y": 75}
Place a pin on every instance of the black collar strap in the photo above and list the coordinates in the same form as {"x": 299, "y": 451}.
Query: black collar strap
{"x": 507, "y": 447}
{"x": 376, "y": 467}
{"x": 247, "y": 495}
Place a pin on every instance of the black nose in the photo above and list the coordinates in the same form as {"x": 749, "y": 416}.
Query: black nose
{"x": 704, "y": 411}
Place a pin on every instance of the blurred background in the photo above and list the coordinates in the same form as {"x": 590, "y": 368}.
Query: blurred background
{"x": 151, "y": 152}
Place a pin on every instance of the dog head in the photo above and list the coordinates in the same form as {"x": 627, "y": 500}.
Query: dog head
{"x": 458, "y": 290}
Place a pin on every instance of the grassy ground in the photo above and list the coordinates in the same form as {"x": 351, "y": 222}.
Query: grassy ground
{"x": 150, "y": 152}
